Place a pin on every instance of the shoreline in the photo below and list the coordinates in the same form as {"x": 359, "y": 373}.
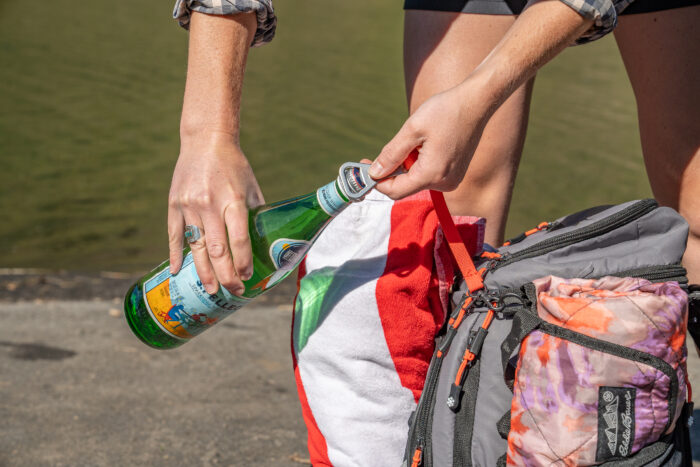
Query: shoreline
{"x": 31, "y": 285}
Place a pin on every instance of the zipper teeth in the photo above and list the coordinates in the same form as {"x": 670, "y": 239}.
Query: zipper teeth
{"x": 661, "y": 274}
{"x": 681, "y": 279}
{"x": 425, "y": 418}
{"x": 424, "y": 413}
{"x": 618, "y": 219}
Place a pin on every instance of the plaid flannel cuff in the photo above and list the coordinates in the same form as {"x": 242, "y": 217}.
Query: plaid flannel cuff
{"x": 267, "y": 21}
{"x": 603, "y": 14}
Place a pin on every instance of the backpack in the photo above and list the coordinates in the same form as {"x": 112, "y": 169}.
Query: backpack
{"x": 566, "y": 346}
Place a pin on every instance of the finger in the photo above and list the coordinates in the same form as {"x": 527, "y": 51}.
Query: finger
{"x": 419, "y": 177}
{"x": 395, "y": 152}
{"x": 176, "y": 229}
{"x": 220, "y": 254}
{"x": 256, "y": 198}
{"x": 401, "y": 186}
{"x": 236, "y": 217}
{"x": 201, "y": 256}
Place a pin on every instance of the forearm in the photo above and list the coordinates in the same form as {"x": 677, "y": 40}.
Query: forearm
{"x": 541, "y": 32}
{"x": 218, "y": 49}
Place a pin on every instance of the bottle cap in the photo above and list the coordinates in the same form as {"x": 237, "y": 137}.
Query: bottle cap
{"x": 355, "y": 182}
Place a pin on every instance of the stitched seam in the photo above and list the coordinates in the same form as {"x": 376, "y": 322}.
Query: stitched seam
{"x": 527, "y": 409}
{"x": 627, "y": 297}
{"x": 558, "y": 458}
{"x": 668, "y": 341}
{"x": 592, "y": 301}
{"x": 580, "y": 446}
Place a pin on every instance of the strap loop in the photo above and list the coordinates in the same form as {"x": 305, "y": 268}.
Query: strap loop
{"x": 454, "y": 240}
{"x": 471, "y": 276}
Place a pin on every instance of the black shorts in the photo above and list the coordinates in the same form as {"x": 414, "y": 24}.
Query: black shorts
{"x": 515, "y": 7}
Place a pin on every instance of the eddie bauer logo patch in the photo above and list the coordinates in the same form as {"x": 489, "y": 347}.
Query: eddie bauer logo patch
{"x": 615, "y": 422}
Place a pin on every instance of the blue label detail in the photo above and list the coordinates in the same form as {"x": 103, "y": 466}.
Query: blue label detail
{"x": 330, "y": 200}
{"x": 189, "y": 308}
{"x": 287, "y": 253}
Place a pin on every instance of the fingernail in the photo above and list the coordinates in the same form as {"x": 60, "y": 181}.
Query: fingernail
{"x": 376, "y": 169}
{"x": 246, "y": 275}
{"x": 239, "y": 292}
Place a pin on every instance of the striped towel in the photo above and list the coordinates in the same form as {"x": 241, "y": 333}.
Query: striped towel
{"x": 373, "y": 291}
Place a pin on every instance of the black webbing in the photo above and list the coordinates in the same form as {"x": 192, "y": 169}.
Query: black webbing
{"x": 524, "y": 322}
{"x": 503, "y": 425}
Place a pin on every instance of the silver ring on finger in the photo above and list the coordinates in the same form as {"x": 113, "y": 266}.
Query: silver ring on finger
{"x": 193, "y": 233}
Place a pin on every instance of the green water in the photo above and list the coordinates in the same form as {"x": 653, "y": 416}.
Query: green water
{"x": 91, "y": 96}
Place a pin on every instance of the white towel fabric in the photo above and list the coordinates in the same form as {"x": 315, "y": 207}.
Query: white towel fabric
{"x": 373, "y": 292}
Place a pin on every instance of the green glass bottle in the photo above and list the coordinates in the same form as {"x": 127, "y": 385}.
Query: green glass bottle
{"x": 166, "y": 310}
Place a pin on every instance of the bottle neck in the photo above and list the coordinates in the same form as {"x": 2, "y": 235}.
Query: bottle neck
{"x": 352, "y": 184}
{"x": 331, "y": 198}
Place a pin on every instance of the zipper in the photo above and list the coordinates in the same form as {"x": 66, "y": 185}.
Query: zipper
{"x": 421, "y": 430}
{"x": 423, "y": 414}
{"x": 674, "y": 272}
{"x": 472, "y": 350}
{"x": 417, "y": 458}
{"x": 603, "y": 226}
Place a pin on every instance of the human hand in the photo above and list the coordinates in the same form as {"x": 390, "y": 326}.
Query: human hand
{"x": 213, "y": 187}
{"x": 446, "y": 129}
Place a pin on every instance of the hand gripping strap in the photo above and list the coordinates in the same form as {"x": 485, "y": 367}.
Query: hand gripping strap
{"x": 471, "y": 276}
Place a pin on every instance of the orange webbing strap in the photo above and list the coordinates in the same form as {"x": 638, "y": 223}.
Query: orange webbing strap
{"x": 471, "y": 276}
{"x": 454, "y": 239}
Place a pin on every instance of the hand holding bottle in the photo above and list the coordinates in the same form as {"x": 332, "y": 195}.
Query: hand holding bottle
{"x": 165, "y": 310}
{"x": 213, "y": 187}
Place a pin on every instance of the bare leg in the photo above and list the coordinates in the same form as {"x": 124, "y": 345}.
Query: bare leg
{"x": 661, "y": 52}
{"x": 440, "y": 50}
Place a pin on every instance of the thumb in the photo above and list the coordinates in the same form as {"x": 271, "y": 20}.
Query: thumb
{"x": 394, "y": 153}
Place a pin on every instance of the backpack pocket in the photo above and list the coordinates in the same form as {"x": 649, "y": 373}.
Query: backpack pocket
{"x": 600, "y": 373}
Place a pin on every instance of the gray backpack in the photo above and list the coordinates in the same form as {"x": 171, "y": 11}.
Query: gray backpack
{"x": 481, "y": 371}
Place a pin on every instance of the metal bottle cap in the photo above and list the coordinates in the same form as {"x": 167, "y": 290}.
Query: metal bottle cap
{"x": 355, "y": 181}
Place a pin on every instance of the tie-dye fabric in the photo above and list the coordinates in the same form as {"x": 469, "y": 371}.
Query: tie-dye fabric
{"x": 574, "y": 405}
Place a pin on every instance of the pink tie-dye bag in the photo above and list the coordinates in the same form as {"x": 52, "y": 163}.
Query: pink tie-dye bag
{"x": 601, "y": 371}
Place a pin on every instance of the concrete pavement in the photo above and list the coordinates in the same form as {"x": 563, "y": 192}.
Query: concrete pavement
{"x": 77, "y": 388}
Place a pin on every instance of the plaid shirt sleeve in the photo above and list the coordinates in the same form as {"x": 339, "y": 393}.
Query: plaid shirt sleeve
{"x": 602, "y": 12}
{"x": 267, "y": 21}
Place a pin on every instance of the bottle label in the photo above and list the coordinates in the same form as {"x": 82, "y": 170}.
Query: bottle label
{"x": 181, "y": 306}
{"x": 287, "y": 253}
{"x": 330, "y": 199}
